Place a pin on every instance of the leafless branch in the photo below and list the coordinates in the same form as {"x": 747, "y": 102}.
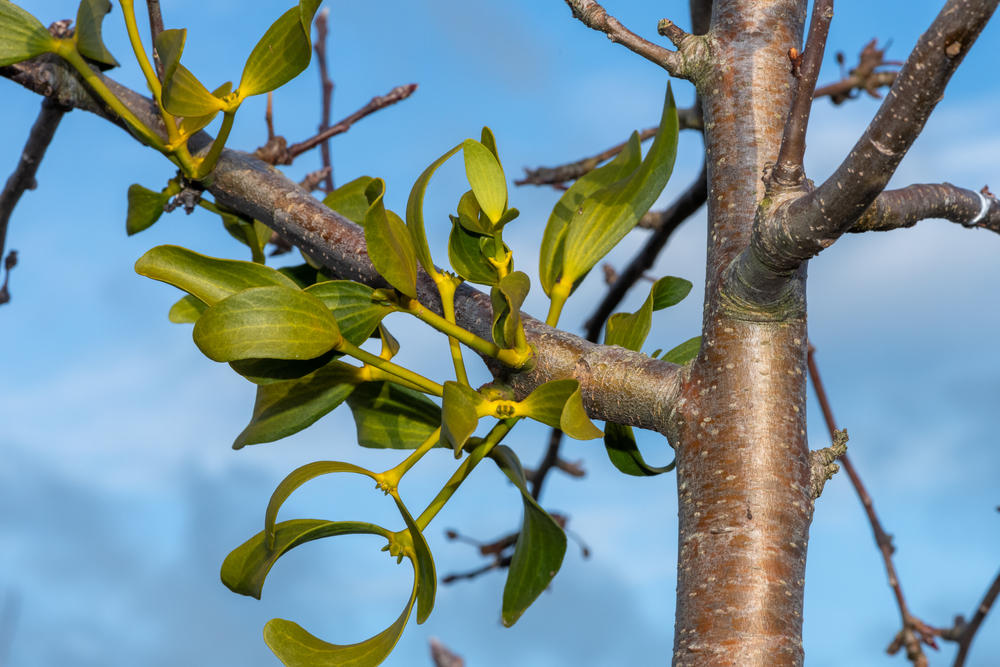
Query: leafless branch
{"x": 594, "y": 16}
{"x": 865, "y": 77}
{"x": 443, "y": 656}
{"x": 23, "y": 177}
{"x": 689, "y": 119}
{"x": 788, "y": 170}
{"x": 914, "y": 632}
{"x": 155, "y": 28}
{"x": 275, "y": 153}
{"x": 964, "y": 632}
{"x": 326, "y": 93}
{"x": 895, "y": 209}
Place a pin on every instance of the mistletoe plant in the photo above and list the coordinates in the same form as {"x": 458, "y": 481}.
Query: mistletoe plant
{"x": 299, "y": 334}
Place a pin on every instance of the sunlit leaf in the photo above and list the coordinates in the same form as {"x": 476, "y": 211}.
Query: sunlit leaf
{"x": 349, "y": 199}
{"x": 144, "y": 208}
{"x": 390, "y": 346}
{"x": 569, "y": 205}
{"x": 246, "y": 567}
{"x": 507, "y": 298}
{"x": 607, "y": 215}
{"x": 183, "y": 94}
{"x": 297, "y": 478}
{"x": 394, "y": 417}
{"x": 559, "y": 404}
{"x": 471, "y": 216}
{"x": 486, "y": 177}
{"x": 284, "y": 408}
{"x": 415, "y": 212}
{"x": 207, "y": 278}
{"x": 187, "y": 310}
{"x": 266, "y": 322}
{"x": 423, "y": 564}
{"x": 460, "y": 414}
{"x": 540, "y": 547}
{"x": 282, "y": 53}
{"x": 89, "y": 17}
{"x": 390, "y": 246}
{"x": 192, "y": 124}
{"x": 22, "y": 36}
{"x": 629, "y": 330}
{"x": 352, "y": 306}
{"x": 684, "y": 352}
{"x": 619, "y": 440}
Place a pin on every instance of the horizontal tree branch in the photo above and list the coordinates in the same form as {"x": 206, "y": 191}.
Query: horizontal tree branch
{"x": 894, "y": 209}
{"x": 792, "y": 227}
{"x": 617, "y": 384}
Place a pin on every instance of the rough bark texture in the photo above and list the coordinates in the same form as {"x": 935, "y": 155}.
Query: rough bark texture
{"x": 743, "y": 462}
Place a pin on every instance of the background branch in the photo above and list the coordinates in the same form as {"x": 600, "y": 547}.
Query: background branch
{"x": 155, "y": 28}
{"x": 326, "y": 94}
{"x": 23, "y": 178}
{"x": 865, "y": 77}
{"x": 594, "y": 16}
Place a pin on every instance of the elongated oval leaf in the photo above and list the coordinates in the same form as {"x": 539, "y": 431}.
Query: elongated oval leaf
{"x": 684, "y": 352}
{"x": 605, "y": 217}
{"x": 191, "y": 124}
{"x": 568, "y": 206}
{"x": 669, "y": 291}
{"x": 144, "y": 208}
{"x": 89, "y": 42}
{"x": 246, "y": 567}
{"x": 183, "y": 94}
{"x": 389, "y": 416}
{"x": 297, "y": 478}
{"x": 460, "y": 407}
{"x": 296, "y": 647}
{"x": 284, "y": 408}
{"x": 349, "y": 199}
{"x": 282, "y": 53}
{"x": 630, "y": 330}
{"x": 269, "y": 371}
{"x": 390, "y": 246}
{"x": 187, "y": 310}
{"x": 266, "y": 322}
{"x": 559, "y": 404}
{"x": 207, "y": 278}
{"x": 507, "y": 298}
{"x": 540, "y": 548}
{"x": 352, "y": 306}
{"x": 423, "y": 564}
{"x": 22, "y": 36}
{"x": 486, "y": 178}
{"x": 467, "y": 256}
{"x": 619, "y": 440}
{"x": 415, "y": 212}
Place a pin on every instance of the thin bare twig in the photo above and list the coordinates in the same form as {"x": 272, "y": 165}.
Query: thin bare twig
{"x": 326, "y": 93}
{"x": 788, "y": 169}
{"x": 865, "y": 77}
{"x": 275, "y": 152}
{"x": 23, "y": 177}
{"x": 269, "y": 116}
{"x": 155, "y": 28}
{"x": 914, "y": 632}
{"x": 593, "y": 15}
{"x": 964, "y": 632}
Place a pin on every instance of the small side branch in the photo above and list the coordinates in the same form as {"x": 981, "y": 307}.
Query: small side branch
{"x": 914, "y": 632}
{"x": 326, "y": 93}
{"x": 814, "y": 221}
{"x": 788, "y": 171}
{"x": 155, "y": 28}
{"x": 594, "y": 16}
{"x": 865, "y": 77}
{"x": 895, "y": 209}
{"x": 964, "y": 632}
{"x": 23, "y": 178}
{"x": 688, "y": 118}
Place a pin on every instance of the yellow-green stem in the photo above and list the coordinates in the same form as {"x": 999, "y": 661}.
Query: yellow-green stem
{"x": 446, "y": 288}
{"x": 560, "y": 293}
{"x": 514, "y": 358}
{"x": 417, "y": 380}
{"x": 67, "y": 50}
{"x": 493, "y": 438}
{"x": 128, "y": 9}
{"x": 207, "y": 164}
{"x": 392, "y": 476}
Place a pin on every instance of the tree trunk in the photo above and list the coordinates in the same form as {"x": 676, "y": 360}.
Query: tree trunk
{"x": 742, "y": 457}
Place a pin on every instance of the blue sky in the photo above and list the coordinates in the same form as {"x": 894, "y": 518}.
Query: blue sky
{"x": 121, "y": 496}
